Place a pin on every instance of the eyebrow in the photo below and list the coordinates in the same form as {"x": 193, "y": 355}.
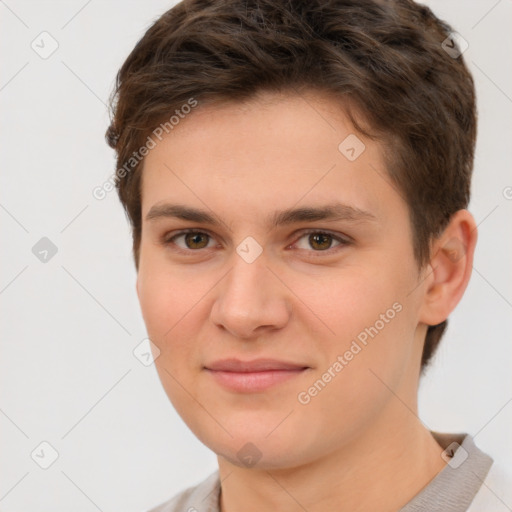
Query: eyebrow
{"x": 331, "y": 212}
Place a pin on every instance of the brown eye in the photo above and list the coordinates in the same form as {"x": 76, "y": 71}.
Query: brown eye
{"x": 316, "y": 242}
{"x": 188, "y": 240}
{"x": 320, "y": 241}
{"x": 196, "y": 240}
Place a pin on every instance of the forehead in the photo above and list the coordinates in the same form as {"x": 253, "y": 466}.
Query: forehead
{"x": 273, "y": 150}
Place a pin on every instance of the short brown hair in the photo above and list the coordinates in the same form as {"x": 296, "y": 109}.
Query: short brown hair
{"x": 386, "y": 58}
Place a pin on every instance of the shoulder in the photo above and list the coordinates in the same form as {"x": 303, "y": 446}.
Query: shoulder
{"x": 203, "y": 497}
{"x": 495, "y": 494}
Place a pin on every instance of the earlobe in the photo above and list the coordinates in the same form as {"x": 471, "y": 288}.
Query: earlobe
{"x": 451, "y": 265}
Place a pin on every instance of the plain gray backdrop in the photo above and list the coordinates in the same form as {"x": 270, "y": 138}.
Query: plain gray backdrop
{"x": 71, "y": 320}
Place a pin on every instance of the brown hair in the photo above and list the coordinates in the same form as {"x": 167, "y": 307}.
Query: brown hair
{"x": 385, "y": 58}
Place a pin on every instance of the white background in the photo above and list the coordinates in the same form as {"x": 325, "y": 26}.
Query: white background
{"x": 69, "y": 326}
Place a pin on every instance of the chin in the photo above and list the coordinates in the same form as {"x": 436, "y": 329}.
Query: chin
{"x": 256, "y": 450}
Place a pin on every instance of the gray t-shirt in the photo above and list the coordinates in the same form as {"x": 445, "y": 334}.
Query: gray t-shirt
{"x": 465, "y": 484}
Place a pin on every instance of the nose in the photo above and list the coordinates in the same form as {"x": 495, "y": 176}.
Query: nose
{"x": 251, "y": 300}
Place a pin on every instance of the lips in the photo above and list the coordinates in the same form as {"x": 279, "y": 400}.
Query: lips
{"x": 256, "y": 365}
{"x": 253, "y": 376}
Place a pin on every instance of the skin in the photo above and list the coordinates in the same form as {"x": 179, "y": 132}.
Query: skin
{"x": 358, "y": 444}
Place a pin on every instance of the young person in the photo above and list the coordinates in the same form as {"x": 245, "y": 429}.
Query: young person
{"x": 296, "y": 175}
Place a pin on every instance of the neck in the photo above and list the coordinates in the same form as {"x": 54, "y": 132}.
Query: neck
{"x": 383, "y": 468}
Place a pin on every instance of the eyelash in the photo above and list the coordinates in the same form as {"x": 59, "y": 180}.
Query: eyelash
{"x": 343, "y": 241}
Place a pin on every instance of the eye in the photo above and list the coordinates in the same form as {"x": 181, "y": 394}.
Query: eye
{"x": 320, "y": 241}
{"x": 193, "y": 240}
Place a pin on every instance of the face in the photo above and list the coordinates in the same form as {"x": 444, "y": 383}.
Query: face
{"x": 275, "y": 278}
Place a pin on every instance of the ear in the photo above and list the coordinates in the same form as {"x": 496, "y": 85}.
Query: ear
{"x": 450, "y": 268}
{"x": 137, "y": 286}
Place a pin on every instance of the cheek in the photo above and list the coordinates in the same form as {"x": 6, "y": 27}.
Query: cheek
{"x": 169, "y": 307}
{"x": 165, "y": 293}
{"x": 350, "y": 300}
{"x": 156, "y": 305}
{"x": 364, "y": 316}
{"x": 365, "y": 357}
{"x": 166, "y": 302}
